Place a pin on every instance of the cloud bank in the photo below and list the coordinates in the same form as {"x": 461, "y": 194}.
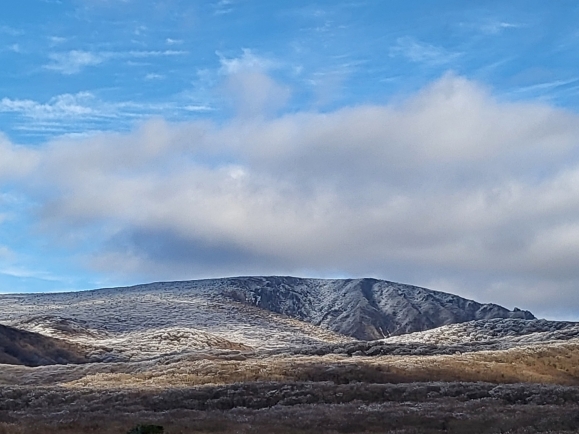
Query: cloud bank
{"x": 450, "y": 188}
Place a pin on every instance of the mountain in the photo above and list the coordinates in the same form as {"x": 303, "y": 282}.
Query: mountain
{"x": 19, "y": 347}
{"x": 365, "y": 309}
{"x": 144, "y": 321}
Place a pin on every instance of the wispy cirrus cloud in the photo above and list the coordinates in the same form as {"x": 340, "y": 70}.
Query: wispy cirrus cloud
{"x": 170, "y": 41}
{"x": 74, "y": 61}
{"x": 421, "y": 52}
{"x": 154, "y": 76}
{"x": 62, "y": 106}
{"x": 490, "y": 25}
{"x": 56, "y": 40}
{"x": 496, "y": 27}
{"x": 547, "y": 86}
{"x": 85, "y": 111}
{"x": 7, "y": 30}
{"x": 223, "y": 7}
{"x": 26, "y": 273}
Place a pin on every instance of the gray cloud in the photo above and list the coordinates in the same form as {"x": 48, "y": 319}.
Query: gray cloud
{"x": 450, "y": 188}
{"x": 15, "y": 161}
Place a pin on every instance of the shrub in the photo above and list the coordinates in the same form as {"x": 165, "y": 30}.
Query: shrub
{"x": 147, "y": 429}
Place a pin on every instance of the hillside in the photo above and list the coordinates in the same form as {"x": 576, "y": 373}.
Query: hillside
{"x": 143, "y": 321}
{"x": 362, "y": 308}
{"x": 19, "y": 347}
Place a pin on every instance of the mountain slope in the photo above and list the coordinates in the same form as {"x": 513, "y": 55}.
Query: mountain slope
{"x": 260, "y": 312}
{"x": 140, "y": 322}
{"x": 365, "y": 309}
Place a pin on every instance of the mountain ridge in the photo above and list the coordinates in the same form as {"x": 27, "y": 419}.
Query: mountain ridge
{"x": 253, "y": 312}
{"x": 364, "y": 308}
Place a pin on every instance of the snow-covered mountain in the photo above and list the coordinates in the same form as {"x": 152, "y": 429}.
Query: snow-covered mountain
{"x": 238, "y": 313}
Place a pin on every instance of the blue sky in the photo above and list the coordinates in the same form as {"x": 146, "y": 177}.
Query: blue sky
{"x": 433, "y": 143}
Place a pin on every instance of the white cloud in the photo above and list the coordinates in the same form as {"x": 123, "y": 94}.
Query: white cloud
{"x": 247, "y": 84}
{"x": 450, "y": 185}
{"x": 248, "y": 61}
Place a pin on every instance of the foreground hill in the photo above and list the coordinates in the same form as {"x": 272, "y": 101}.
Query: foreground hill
{"x": 19, "y": 347}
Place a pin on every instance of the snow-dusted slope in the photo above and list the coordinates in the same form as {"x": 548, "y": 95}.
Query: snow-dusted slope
{"x": 237, "y": 313}
{"x": 362, "y": 308}
{"x": 507, "y": 332}
{"x": 148, "y": 320}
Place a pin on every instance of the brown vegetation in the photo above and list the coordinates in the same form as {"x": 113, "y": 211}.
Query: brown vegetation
{"x": 553, "y": 364}
{"x": 243, "y": 392}
{"x": 298, "y": 408}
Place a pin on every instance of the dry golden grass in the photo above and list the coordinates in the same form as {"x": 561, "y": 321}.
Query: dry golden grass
{"x": 300, "y": 394}
{"x": 553, "y": 364}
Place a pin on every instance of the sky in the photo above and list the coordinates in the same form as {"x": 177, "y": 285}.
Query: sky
{"x": 430, "y": 143}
